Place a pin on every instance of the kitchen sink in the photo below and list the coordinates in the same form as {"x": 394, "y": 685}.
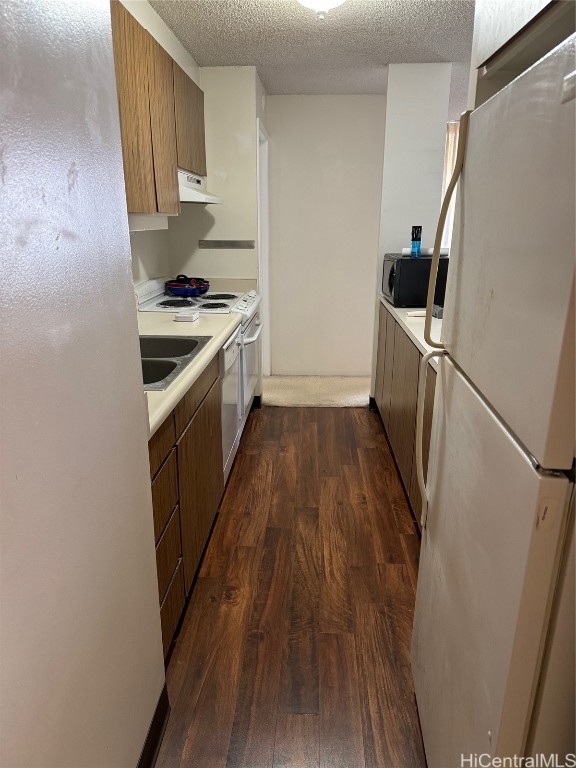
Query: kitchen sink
{"x": 167, "y": 346}
{"x": 155, "y": 371}
{"x": 165, "y": 357}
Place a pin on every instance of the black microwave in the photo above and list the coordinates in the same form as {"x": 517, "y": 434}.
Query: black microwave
{"x": 405, "y": 280}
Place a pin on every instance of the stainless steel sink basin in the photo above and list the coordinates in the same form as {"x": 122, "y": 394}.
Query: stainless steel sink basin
{"x": 165, "y": 357}
{"x": 167, "y": 346}
{"x": 155, "y": 371}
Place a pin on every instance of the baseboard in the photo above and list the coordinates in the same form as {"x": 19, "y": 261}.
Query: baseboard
{"x": 156, "y": 732}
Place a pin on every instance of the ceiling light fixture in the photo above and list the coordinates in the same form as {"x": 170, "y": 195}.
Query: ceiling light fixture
{"x": 321, "y": 6}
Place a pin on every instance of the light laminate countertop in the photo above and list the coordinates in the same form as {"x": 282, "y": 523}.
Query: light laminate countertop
{"x": 414, "y": 327}
{"x": 219, "y": 327}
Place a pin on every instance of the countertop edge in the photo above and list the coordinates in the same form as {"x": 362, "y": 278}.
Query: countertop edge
{"x": 414, "y": 328}
{"x": 219, "y": 327}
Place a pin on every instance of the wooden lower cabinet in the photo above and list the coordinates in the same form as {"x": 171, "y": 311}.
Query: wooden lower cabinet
{"x": 384, "y": 364}
{"x": 403, "y": 398}
{"x": 388, "y": 369}
{"x": 396, "y": 395}
{"x": 380, "y": 356}
{"x": 187, "y": 485}
{"x": 201, "y": 480}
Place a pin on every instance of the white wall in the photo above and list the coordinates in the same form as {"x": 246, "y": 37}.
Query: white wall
{"x": 416, "y": 117}
{"x": 230, "y": 109}
{"x": 261, "y": 97}
{"x": 325, "y": 186}
{"x": 150, "y": 256}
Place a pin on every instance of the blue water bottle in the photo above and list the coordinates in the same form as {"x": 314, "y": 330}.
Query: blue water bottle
{"x": 415, "y": 249}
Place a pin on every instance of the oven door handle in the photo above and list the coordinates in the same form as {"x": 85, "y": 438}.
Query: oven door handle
{"x": 252, "y": 339}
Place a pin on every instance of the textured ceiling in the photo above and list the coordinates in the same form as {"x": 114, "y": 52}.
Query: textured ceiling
{"x": 295, "y": 53}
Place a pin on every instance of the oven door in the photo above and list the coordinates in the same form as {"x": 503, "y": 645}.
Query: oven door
{"x": 230, "y": 401}
{"x": 250, "y": 362}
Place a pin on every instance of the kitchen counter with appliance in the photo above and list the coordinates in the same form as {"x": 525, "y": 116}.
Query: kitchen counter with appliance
{"x": 219, "y": 327}
{"x": 414, "y": 327}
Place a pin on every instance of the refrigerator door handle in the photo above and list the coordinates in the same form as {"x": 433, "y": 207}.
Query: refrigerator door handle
{"x": 420, "y": 429}
{"x": 462, "y": 138}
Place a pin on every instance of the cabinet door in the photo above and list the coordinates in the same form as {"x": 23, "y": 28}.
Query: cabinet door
{"x": 131, "y": 55}
{"x": 201, "y": 478}
{"x": 414, "y": 493}
{"x": 388, "y": 369}
{"x": 163, "y": 129}
{"x": 403, "y": 402}
{"x": 380, "y": 357}
{"x": 189, "y": 111}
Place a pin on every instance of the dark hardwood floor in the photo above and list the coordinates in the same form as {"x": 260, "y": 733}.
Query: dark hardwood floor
{"x": 295, "y": 648}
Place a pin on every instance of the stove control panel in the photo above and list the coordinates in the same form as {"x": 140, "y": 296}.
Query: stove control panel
{"x": 246, "y": 302}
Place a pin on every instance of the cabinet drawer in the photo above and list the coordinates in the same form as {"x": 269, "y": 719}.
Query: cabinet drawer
{"x": 164, "y": 494}
{"x": 168, "y": 553}
{"x": 161, "y": 443}
{"x": 188, "y": 406}
{"x": 171, "y": 608}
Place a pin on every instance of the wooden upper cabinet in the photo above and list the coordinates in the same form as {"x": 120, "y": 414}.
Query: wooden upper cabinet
{"x": 131, "y": 54}
{"x": 146, "y": 107}
{"x": 189, "y": 111}
{"x": 163, "y": 127}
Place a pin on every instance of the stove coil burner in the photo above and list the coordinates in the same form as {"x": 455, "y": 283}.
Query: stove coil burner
{"x": 214, "y": 305}
{"x": 216, "y": 296}
{"x": 177, "y": 303}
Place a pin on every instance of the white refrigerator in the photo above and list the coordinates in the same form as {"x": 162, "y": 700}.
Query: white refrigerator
{"x": 500, "y": 476}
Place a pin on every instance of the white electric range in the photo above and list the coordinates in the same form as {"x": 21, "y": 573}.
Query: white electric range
{"x": 151, "y": 297}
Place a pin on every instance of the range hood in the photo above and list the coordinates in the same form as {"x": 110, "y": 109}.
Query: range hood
{"x": 192, "y": 189}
